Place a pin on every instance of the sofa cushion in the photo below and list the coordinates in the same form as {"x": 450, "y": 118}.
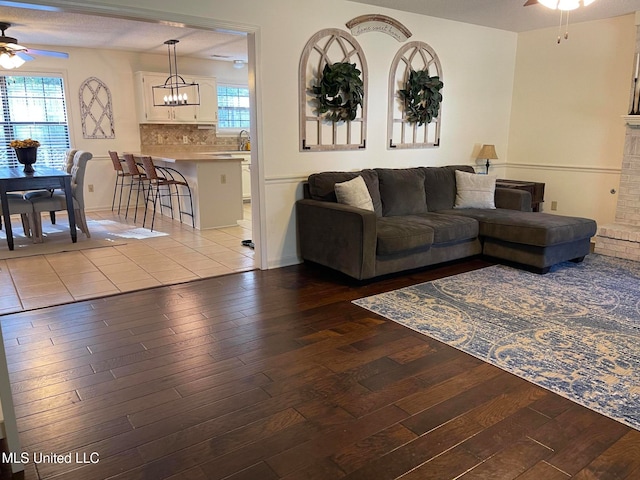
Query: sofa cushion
{"x": 402, "y": 191}
{"x": 447, "y": 228}
{"x": 440, "y": 186}
{"x": 397, "y": 234}
{"x": 529, "y": 228}
{"x": 475, "y": 191}
{"x": 354, "y": 193}
{"x": 322, "y": 186}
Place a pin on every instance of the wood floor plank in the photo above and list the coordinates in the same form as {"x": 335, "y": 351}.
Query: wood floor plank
{"x": 358, "y": 454}
{"x": 510, "y": 462}
{"x": 333, "y": 440}
{"x": 277, "y": 374}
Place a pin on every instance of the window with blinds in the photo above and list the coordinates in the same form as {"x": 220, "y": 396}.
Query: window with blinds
{"x": 233, "y": 107}
{"x": 34, "y": 107}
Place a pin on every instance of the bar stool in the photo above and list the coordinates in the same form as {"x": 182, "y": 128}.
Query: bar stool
{"x": 169, "y": 178}
{"x": 138, "y": 181}
{"x": 121, "y": 175}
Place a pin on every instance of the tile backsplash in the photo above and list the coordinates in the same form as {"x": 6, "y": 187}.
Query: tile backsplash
{"x": 173, "y": 136}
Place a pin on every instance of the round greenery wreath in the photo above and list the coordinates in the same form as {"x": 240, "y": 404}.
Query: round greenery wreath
{"x": 339, "y": 92}
{"x": 421, "y": 97}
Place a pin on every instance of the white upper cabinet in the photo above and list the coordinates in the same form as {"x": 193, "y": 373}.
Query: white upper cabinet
{"x": 206, "y": 112}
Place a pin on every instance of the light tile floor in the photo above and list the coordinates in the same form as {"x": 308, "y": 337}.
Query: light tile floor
{"x": 184, "y": 254}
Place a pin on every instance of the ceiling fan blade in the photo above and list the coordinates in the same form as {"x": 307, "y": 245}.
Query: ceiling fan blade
{"x": 531, "y": 2}
{"x": 48, "y": 53}
{"x": 23, "y": 55}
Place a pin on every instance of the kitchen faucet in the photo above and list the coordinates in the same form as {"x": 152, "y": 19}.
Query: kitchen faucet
{"x": 244, "y": 143}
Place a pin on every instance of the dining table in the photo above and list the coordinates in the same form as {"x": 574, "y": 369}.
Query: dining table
{"x": 15, "y": 179}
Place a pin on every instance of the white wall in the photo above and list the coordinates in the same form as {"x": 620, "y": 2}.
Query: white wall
{"x": 478, "y": 65}
{"x": 566, "y": 127}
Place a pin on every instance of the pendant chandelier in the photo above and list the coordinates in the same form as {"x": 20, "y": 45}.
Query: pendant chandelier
{"x": 175, "y": 91}
{"x": 565, "y": 6}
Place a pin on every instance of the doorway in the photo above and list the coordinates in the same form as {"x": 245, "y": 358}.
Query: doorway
{"x": 199, "y": 24}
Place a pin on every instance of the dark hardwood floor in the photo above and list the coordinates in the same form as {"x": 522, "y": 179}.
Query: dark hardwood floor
{"x": 276, "y": 374}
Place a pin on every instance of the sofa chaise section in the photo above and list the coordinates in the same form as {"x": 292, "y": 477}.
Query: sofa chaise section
{"x": 539, "y": 240}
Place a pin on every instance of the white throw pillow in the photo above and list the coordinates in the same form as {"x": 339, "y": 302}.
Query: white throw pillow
{"x": 354, "y": 193}
{"x": 475, "y": 191}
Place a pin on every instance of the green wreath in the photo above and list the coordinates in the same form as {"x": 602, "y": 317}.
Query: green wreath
{"x": 421, "y": 97}
{"x": 339, "y": 92}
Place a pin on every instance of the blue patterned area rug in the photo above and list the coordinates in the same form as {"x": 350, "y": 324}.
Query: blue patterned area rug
{"x": 574, "y": 331}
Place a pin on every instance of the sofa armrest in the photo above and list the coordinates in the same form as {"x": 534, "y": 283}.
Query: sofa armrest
{"x": 513, "y": 199}
{"x": 337, "y": 236}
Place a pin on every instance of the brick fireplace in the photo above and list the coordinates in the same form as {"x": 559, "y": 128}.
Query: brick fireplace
{"x": 622, "y": 238}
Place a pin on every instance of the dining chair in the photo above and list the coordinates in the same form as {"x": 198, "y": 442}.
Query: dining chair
{"x": 57, "y": 200}
{"x": 139, "y": 180}
{"x": 18, "y": 205}
{"x": 169, "y": 184}
{"x": 68, "y": 163}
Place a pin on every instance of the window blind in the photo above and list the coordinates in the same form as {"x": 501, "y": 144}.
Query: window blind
{"x": 34, "y": 107}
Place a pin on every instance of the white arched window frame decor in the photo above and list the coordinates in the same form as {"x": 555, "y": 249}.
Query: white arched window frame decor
{"x": 96, "y": 110}
{"x": 402, "y": 133}
{"x": 328, "y": 47}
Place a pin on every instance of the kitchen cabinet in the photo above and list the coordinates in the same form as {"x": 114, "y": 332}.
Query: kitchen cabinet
{"x": 246, "y": 175}
{"x": 205, "y": 113}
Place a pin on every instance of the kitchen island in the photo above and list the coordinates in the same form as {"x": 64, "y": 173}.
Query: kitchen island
{"x": 216, "y": 184}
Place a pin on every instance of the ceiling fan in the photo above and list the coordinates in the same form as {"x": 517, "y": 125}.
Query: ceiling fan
{"x": 13, "y": 55}
{"x": 565, "y": 6}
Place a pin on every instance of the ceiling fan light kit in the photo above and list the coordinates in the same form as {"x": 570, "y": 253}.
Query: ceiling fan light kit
{"x": 10, "y": 60}
{"x": 565, "y": 5}
{"x": 175, "y": 91}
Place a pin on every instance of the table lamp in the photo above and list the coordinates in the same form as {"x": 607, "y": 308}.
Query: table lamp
{"x": 487, "y": 152}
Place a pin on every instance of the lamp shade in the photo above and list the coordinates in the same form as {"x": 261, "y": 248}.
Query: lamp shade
{"x": 488, "y": 152}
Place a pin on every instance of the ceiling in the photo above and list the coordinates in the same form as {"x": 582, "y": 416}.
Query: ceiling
{"x": 52, "y": 28}
{"x": 64, "y": 29}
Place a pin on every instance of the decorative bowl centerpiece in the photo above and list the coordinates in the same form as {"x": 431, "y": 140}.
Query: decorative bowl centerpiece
{"x": 26, "y": 151}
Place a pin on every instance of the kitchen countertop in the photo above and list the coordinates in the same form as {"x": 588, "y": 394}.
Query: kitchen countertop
{"x": 175, "y": 156}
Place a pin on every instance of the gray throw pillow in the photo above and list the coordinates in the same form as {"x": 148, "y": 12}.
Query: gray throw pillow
{"x": 402, "y": 191}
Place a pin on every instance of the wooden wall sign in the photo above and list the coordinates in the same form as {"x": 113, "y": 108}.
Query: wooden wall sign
{"x": 378, "y": 23}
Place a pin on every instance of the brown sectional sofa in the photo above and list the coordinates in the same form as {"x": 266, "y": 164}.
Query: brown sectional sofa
{"x": 414, "y": 224}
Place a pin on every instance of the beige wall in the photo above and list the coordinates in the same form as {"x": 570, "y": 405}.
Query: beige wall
{"x": 566, "y": 127}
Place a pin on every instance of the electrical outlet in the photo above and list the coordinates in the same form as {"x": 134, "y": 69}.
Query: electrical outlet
{"x": 554, "y": 205}
{"x": 223, "y": 178}
{"x": 160, "y": 140}
{"x": 185, "y": 139}
{"x": 90, "y": 188}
